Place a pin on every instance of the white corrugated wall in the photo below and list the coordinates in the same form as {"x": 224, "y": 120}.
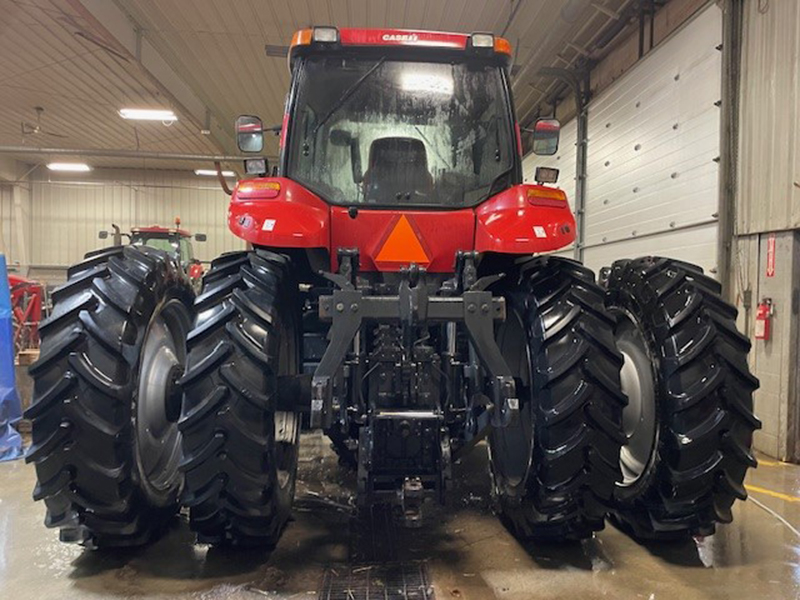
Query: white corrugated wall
{"x": 6, "y": 220}
{"x": 68, "y": 212}
{"x": 769, "y": 159}
{"x": 652, "y": 178}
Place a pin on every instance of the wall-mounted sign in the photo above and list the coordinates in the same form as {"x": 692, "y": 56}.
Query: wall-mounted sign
{"x": 771, "y": 255}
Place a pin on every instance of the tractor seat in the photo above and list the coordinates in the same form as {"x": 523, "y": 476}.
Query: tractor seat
{"x": 397, "y": 171}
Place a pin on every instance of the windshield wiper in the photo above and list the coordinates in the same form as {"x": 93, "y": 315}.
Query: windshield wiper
{"x": 346, "y": 95}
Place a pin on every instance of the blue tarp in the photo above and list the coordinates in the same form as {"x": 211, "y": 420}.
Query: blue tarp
{"x": 10, "y": 407}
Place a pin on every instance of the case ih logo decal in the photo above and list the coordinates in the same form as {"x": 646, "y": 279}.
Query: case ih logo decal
{"x": 400, "y": 37}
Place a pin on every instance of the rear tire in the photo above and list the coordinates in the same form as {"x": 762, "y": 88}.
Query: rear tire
{"x": 686, "y": 367}
{"x": 241, "y": 455}
{"x": 554, "y": 473}
{"x": 105, "y": 443}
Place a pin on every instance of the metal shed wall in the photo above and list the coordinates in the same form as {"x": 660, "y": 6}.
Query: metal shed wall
{"x": 6, "y": 220}
{"x": 69, "y": 212}
{"x": 769, "y": 159}
{"x": 652, "y": 175}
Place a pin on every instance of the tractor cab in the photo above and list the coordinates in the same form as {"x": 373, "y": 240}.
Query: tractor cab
{"x": 410, "y": 121}
{"x": 402, "y": 146}
{"x": 173, "y": 240}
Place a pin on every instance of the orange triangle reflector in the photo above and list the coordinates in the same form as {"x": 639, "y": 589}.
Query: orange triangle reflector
{"x": 403, "y": 246}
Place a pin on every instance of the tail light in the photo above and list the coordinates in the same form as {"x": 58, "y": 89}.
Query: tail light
{"x": 257, "y": 190}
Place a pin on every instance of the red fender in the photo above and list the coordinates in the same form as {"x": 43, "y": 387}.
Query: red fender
{"x": 277, "y": 212}
{"x": 524, "y": 219}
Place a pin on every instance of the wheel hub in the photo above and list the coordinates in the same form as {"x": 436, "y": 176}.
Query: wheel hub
{"x": 639, "y": 418}
{"x": 158, "y": 402}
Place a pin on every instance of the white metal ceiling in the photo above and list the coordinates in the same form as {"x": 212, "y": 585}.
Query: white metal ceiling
{"x": 47, "y": 60}
{"x": 50, "y": 57}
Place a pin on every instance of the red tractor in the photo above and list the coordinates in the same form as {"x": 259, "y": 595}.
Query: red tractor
{"x": 398, "y": 295}
{"x": 173, "y": 240}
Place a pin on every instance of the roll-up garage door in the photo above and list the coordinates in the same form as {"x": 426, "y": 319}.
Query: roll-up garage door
{"x": 653, "y": 175}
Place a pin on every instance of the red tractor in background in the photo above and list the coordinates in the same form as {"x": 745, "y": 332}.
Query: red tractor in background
{"x": 398, "y": 296}
{"x": 174, "y": 240}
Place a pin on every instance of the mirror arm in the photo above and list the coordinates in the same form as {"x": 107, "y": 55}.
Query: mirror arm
{"x": 221, "y": 178}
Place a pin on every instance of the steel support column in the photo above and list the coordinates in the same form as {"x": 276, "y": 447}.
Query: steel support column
{"x": 579, "y": 83}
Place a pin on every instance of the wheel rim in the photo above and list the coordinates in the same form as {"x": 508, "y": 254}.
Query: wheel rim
{"x": 286, "y": 442}
{"x": 287, "y": 424}
{"x": 510, "y": 447}
{"x": 639, "y": 417}
{"x": 158, "y": 440}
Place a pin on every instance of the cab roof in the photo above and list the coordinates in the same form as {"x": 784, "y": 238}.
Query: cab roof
{"x": 321, "y": 38}
{"x": 162, "y": 230}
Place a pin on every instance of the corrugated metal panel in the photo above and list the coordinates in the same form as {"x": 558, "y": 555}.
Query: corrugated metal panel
{"x": 6, "y": 221}
{"x": 696, "y": 245}
{"x": 68, "y": 215}
{"x": 769, "y": 157}
{"x": 652, "y": 184}
{"x": 653, "y": 140}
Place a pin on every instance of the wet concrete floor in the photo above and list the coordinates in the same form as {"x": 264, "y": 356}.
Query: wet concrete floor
{"x": 465, "y": 552}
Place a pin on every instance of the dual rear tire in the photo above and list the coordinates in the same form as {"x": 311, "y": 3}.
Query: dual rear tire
{"x": 240, "y": 451}
{"x": 689, "y": 423}
{"x": 554, "y": 472}
{"x": 105, "y": 401}
{"x": 635, "y": 401}
{"x": 135, "y": 412}
{"x": 117, "y": 448}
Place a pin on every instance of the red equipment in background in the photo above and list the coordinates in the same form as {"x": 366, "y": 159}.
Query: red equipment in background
{"x": 26, "y": 310}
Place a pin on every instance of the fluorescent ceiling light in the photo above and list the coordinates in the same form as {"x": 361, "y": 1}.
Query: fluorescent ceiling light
{"x": 147, "y": 114}
{"x": 213, "y": 173}
{"x": 72, "y": 167}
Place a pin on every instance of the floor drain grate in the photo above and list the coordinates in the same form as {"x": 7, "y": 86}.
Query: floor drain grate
{"x": 387, "y": 581}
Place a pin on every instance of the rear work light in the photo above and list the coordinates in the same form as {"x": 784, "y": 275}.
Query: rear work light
{"x": 482, "y": 40}
{"x": 488, "y": 43}
{"x": 546, "y": 175}
{"x": 255, "y": 166}
{"x": 325, "y": 35}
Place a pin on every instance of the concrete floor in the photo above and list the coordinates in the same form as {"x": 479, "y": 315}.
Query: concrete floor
{"x": 466, "y": 552}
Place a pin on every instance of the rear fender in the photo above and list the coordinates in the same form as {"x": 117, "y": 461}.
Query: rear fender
{"x": 277, "y": 212}
{"x": 524, "y": 219}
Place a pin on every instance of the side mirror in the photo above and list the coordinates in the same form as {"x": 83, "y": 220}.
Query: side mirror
{"x": 545, "y": 137}
{"x": 249, "y": 133}
{"x": 103, "y": 235}
{"x": 200, "y": 237}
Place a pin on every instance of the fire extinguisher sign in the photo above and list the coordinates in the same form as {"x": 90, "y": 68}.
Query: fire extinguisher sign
{"x": 771, "y": 255}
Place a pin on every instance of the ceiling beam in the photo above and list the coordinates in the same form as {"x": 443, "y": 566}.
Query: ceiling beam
{"x": 121, "y": 153}
{"x": 123, "y": 35}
